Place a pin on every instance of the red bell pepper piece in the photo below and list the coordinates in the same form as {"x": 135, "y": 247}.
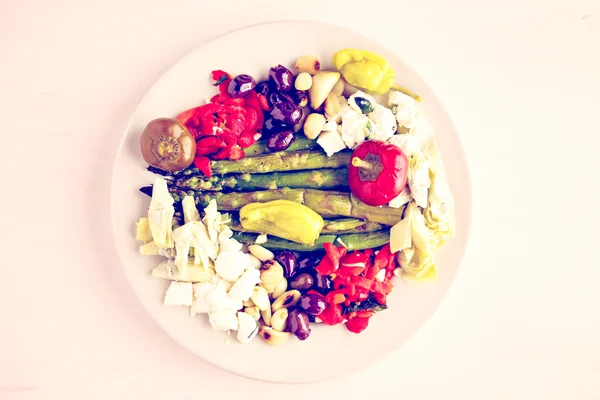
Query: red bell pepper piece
{"x": 362, "y": 282}
{"x": 365, "y": 314}
{"x": 332, "y": 314}
{"x": 335, "y": 253}
{"x": 325, "y": 267}
{"x": 222, "y": 79}
{"x": 353, "y": 264}
{"x": 380, "y": 298}
{"x": 381, "y": 287}
{"x": 381, "y": 261}
{"x": 377, "y": 172}
{"x": 331, "y": 262}
{"x": 203, "y": 164}
{"x": 357, "y": 324}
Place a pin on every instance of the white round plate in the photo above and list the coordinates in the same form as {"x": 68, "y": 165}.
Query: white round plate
{"x": 329, "y": 352}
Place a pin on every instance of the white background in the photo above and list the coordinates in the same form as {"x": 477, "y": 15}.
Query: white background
{"x": 520, "y": 79}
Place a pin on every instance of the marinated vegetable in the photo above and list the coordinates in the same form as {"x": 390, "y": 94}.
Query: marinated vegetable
{"x": 368, "y": 71}
{"x": 377, "y": 173}
{"x": 283, "y": 218}
{"x": 168, "y": 145}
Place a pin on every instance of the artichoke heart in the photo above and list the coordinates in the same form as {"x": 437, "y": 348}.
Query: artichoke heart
{"x": 283, "y": 218}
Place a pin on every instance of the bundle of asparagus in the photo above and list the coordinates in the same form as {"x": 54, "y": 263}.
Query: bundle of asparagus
{"x": 297, "y": 176}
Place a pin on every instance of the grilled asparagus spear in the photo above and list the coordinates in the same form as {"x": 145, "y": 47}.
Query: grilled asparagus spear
{"x": 321, "y": 178}
{"x": 354, "y": 241}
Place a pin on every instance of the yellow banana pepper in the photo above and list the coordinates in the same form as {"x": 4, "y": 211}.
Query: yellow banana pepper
{"x": 283, "y": 218}
{"x": 368, "y": 71}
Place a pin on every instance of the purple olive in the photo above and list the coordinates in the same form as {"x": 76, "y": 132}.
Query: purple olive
{"x": 303, "y": 281}
{"x": 298, "y": 324}
{"x": 287, "y": 112}
{"x": 281, "y": 140}
{"x": 263, "y": 88}
{"x": 312, "y": 303}
{"x": 322, "y": 283}
{"x": 282, "y": 78}
{"x": 272, "y": 126}
{"x": 288, "y": 261}
{"x": 309, "y": 262}
{"x": 241, "y": 85}
{"x": 276, "y": 97}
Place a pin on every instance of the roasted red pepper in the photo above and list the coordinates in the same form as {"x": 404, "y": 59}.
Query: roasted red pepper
{"x": 203, "y": 164}
{"x": 231, "y": 124}
{"x": 332, "y": 314}
{"x": 357, "y": 324}
{"x": 221, "y": 79}
{"x": 331, "y": 262}
{"x": 377, "y": 172}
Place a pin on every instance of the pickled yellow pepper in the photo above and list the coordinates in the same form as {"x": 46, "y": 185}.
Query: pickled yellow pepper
{"x": 283, "y": 218}
{"x": 368, "y": 71}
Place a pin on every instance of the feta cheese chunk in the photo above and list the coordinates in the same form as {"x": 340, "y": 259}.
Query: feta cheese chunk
{"x": 219, "y": 300}
{"x": 247, "y": 327}
{"x": 405, "y": 108}
{"x": 224, "y": 320}
{"x": 407, "y": 143}
{"x": 230, "y": 265}
{"x": 242, "y": 289}
{"x": 385, "y": 122}
{"x": 179, "y": 294}
{"x": 331, "y": 142}
{"x": 355, "y": 128}
{"x": 200, "y": 304}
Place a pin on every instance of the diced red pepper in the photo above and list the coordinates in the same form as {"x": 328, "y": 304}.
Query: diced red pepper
{"x": 365, "y": 314}
{"x": 380, "y": 298}
{"x": 325, "y": 267}
{"x": 381, "y": 261}
{"x": 357, "y": 324}
{"x": 332, "y": 314}
{"x": 362, "y": 282}
{"x": 335, "y": 253}
{"x": 203, "y": 164}
{"x": 381, "y": 287}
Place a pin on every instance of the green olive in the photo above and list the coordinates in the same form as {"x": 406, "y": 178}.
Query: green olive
{"x": 168, "y": 145}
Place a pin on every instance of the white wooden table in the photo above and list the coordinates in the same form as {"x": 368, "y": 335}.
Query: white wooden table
{"x": 520, "y": 80}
